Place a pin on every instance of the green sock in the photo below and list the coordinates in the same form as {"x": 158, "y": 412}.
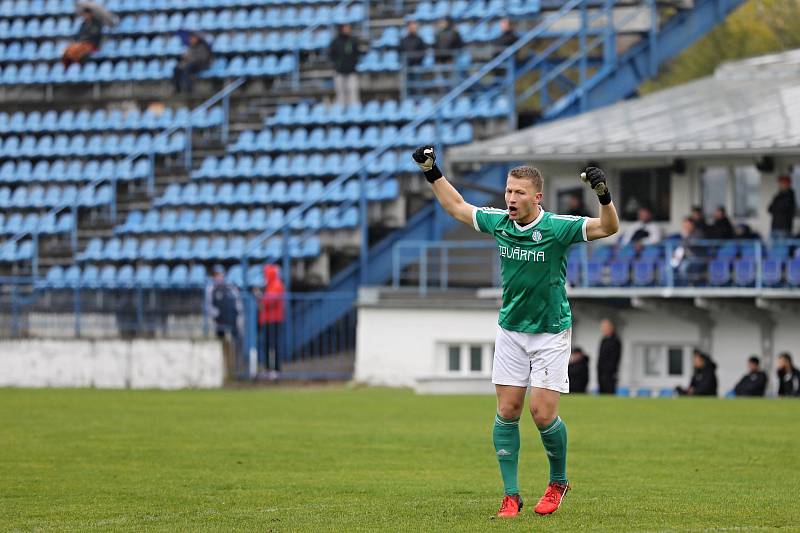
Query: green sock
{"x": 505, "y": 436}
{"x": 554, "y": 438}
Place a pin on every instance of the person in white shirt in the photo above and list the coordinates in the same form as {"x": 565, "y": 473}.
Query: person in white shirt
{"x": 644, "y": 231}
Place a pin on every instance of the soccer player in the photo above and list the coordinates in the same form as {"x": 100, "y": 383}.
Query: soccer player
{"x": 533, "y": 341}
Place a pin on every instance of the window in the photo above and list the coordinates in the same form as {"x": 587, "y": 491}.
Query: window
{"x": 675, "y": 361}
{"x": 475, "y": 358}
{"x": 652, "y": 360}
{"x": 714, "y": 184}
{"x": 648, "y": 187}
{"x": 570, "y": 202}
{"x": 663, "y": 360}
{"x": 454, "y": 358}
{"x": 746, "y": 188}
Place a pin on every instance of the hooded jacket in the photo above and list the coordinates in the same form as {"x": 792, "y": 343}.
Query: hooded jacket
{"x": 272, "y": 302}
{"x": 704, "y": 380}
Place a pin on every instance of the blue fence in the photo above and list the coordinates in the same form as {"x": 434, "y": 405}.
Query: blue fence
{"x": 676, "y": 262}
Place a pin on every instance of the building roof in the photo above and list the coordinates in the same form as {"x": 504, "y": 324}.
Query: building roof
{"x": 747, "y": 107}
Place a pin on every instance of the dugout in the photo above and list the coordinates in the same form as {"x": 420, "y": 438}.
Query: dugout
{"x": 720, "y": 140}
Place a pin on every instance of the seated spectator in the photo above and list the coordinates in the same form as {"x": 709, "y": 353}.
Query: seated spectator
{"x": 721, "y": 228}
{"x": 687, "y": 257}
{"x": 704, "y": 378}
{"x": 744, "y": 231}
{"x": 645, "y": 229}
{"x": 575, "y": 206}
{"x": 699, "y": 221}
{"x": 194, "y": 60}
{"x": 412, "y": 46}
{"x": 783, "y": 208}
{"x": 578, "y": 371}
{"x": 448, "y": 41}
{"x": 507, "y": 34}
{"x": 754, "y": 383}
{"x": 788, "y": 376}
{"x": 87, "y": 40}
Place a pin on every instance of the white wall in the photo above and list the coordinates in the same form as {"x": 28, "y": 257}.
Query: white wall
{"x": 138, "y": 364}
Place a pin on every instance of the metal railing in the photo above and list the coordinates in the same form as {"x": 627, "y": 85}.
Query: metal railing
{"x": 672, "y": 263}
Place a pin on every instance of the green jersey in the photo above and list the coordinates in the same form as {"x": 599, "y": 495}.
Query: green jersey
{"x": 533, "y": 263}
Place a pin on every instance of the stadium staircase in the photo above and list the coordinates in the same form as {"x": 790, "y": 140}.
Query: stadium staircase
{"x": 272, "y": 83}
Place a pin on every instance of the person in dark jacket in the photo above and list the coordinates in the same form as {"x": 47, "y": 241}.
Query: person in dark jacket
{"x": 86, "y": 42}
{"x": 578, "y": 371}
{"x": 782, "y": 208}
{"x": 788, "y": 376}
{"x": 754, "y": 383}
{"x": 344, "y": 53}
{"x": 412, "y": 46}
{"x": 195, "y": 59}
{"x": 507, "y": 34}
{"x": 608, "y": 358}
{"x": 721, "y": 228}
{"x": 704, "y": 378}
{"x": 224, "y": 306}
{"x": 699, "y": 221}
{"x": 448, "y": 41}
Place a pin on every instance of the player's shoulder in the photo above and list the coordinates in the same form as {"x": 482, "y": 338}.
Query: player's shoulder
{"x": 557, "y": 219}
{"x": 496, "y": 211}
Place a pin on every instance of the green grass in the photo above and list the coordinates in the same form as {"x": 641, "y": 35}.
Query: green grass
{"x": 329, "y": 459}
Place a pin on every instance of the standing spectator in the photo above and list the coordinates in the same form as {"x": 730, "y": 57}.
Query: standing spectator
{"x": 721, "y": 228}
{"x": 782, "y": 208}
{"x": 507, "y": 35}
{"x": 754, "y": 383}
{"x": 608, "y": 358}
{"x": 645, "y": 230}
{"x": 86, "y": 41}
{"x": 344, "y": 53}
{"x": 578, "y": 371}
{"x": 448, "y": 41}
{"x": 788, "y": 376}
{"x": 699, "y": 221}
{"x": 224, "y": 305}
{"x": 270, "y": 318}
{"x": 412, "y": 46}
{"x": 194, "y": 60}
{"x": 704, "y": 378}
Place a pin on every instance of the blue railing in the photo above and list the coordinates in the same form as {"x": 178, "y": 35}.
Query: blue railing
{"x": 672, "y": 263}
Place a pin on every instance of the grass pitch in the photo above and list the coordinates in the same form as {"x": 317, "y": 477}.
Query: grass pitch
{"x": 330, "y": 459}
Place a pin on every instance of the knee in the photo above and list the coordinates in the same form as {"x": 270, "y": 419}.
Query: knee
{"x": 542, "y": 417}
{"x": 509, "y": 409}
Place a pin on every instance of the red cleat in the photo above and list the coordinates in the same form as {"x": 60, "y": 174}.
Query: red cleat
{"x": 510, "y": 507}
{"x": 552, "y": 498}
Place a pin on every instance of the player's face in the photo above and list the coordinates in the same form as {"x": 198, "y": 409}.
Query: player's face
{"x": 521, "y": 200}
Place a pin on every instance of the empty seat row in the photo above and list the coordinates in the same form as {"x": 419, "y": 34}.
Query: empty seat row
{"x": 96, "y": 145}
{"x": 387, "y": 111}
{"x": 378, "y": 61}
{"x": 486, "y": 31}
{"x": 72, "y": 170}
{"x": 336, "y": 138}
{"x": 37, "y": 197}
{"x": 30, "y": 8}
{"x": 464, "y": 9}
{"x": 124, "y": 277}
{"x": 279, "y": 193}
{"x": 269, "y": 65}
{"x": 16, "y": 251}
{"x": 302, "y": 165}
{"x": 35, "y": 223}
{"x": 102, "y": 120}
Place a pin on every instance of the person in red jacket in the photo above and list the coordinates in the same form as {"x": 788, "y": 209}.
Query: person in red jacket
{"x": 271, "y": 315}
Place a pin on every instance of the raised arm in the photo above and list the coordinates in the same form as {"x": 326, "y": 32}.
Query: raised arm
{"x": 449, "y": 198}
{"x": 608, "y": 222}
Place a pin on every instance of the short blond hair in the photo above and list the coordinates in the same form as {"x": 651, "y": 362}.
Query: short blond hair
{"x": 528, "y": 173}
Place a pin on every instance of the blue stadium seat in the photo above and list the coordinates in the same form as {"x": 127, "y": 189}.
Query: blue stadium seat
{"x": 644, "y": 392}
{"x": 623, "y": 392}
{"x": 793, "y": 272}
{"x": 161, "y": 276}
{"x": 594, "y": 273}
{"x": 719, "y": 272}
{"x": 666, "y": 392}
{"x": 744, "y": 272}
{"x": 772, "y": 271}
{"x": 644, "y": 273}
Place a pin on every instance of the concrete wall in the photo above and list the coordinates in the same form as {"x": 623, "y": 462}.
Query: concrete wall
{"x": 138, "y": 364}
{"x": 407, "y": 346}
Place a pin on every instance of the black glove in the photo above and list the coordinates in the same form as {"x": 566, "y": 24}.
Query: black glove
{"x": 425, "y": 158}
{"x": 596, "y": 179}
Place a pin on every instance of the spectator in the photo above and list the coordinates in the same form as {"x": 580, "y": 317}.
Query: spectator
{"x": 782, "y": 208}
{"x": 744, "y": 231}
{"x": 412, "y": 46}
{"x": 224, "y": 305}
{"x": 699, "y": 221}
{"x": 194, "y": 60}
{"x": 448, "y": 41}
{"x": 344, "y": 53}
{"x": 721, "y": 228}
{"x": 575, "y": 206}
{"x": 270, "y": 318}
{"x": 754, "y": 383}
{"x": 507, "y": 34}
{"x": 704, "y": 378}
{"x": 687, "y": 257}
{"x": 788, "y": 376}
{"x": 608, "y": 358}
{"x": 644, "y": 230}
{"x": 86, "y": 41}
{"x": 578, "y": 371}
